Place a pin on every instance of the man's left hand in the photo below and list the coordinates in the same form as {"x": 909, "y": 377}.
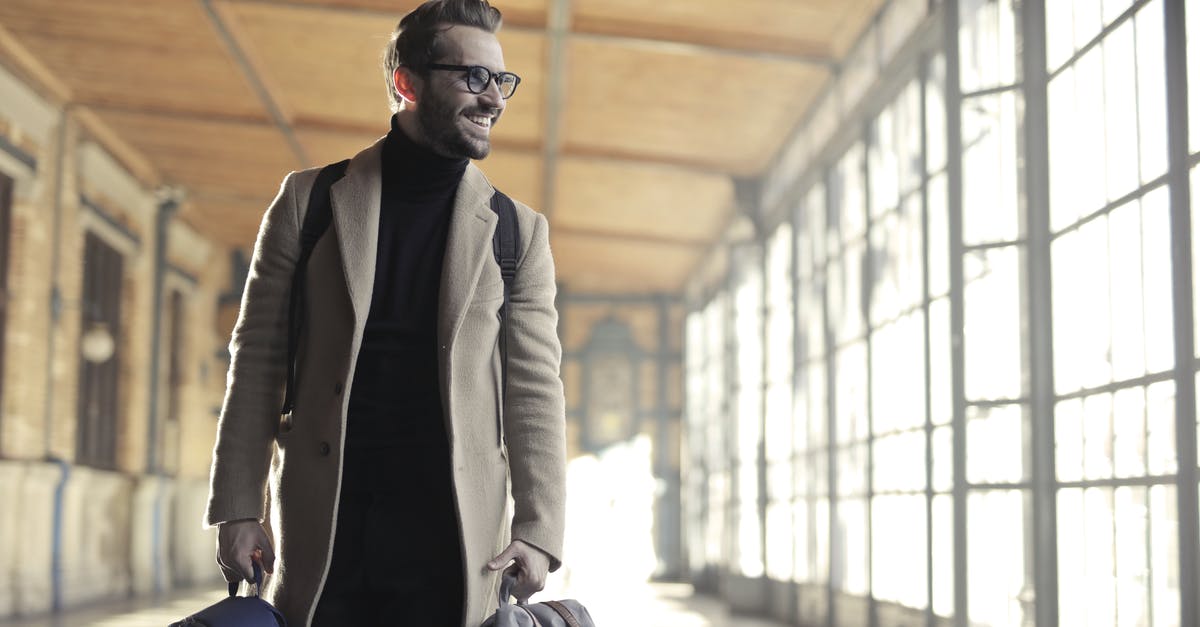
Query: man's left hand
{"x": 531, "y": 566}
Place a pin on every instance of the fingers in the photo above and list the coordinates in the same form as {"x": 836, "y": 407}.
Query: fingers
{"x": 240, "y": 542}
{"x": 268, "y": 556}
{"x": 508, "y": 555}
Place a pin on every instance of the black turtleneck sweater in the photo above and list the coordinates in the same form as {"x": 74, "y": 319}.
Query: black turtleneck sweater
{"x": 395, "y": 400}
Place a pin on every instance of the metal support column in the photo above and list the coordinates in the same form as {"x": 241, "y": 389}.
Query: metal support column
{"x": 954, "y": 184}
{"x": 1181, "y": 263}
{"x": 1038, "y": 293}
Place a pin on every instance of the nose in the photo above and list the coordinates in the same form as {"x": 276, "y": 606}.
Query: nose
{"x": 491, "y": 96}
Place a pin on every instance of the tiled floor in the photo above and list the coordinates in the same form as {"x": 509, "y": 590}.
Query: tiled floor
{"x": 650, "y": 605}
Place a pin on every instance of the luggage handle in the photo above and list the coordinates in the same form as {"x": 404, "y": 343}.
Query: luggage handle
{"x": 258, "y": 580}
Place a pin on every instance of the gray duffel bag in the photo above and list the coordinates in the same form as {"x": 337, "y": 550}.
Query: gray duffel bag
{"x": 565, "y": 613}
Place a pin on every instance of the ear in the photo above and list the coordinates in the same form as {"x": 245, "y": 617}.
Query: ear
{"x": 405, "y": 83}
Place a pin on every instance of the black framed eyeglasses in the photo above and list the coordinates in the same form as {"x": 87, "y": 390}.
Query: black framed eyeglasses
{"x": 478, "y": 78}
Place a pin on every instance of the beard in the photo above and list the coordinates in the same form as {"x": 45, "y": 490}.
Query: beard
{"x": 443, "y": 124}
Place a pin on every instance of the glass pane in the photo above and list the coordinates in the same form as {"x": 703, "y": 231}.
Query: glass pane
{"x": 899, "y": 559}
{"x": 822, "y": 547}
{"x": 1152, "y": 90}
{"x": 883, "y": 165}
{"x": 1192, "y": 11}
{"x": 899, "y": 462}
{"x": 990, "y": 168}
{"x": 992, "y": 325}
{"x": 1195, "y": 180}
{"x": 818, "y": 407}
{"x": 935, "y": 116}
{"x": 939, "y": 238}
{"x": 997, "y": 584}
{"x": 1085, "y": 557}
{"x": 942, "y": 553}
{"x": 749, "y": 540}
{"x": 1164, "y": 556}
{"x": 987, "y": 37}
{"x": 1132, "y": 573}
{"x": 778, "y": 441}
{"x": 1129, "y": 432}
{"x": 896, "y": 261}
{"x": 1156, "y": 281}
{"x": 848, "y": 196}
{"x": 852, "y": 470}
{"x": 1128, "y": 350}
{"x": 1120, "y": 110}
{"x": 845, "y": 296}
{"x": 1068, "y": 440}
{"x": 779, "y": 541}
{"x": 1060, "y": 43}
{"x": 1097, "y": 437}
{"x": 994, "y": 444}
{"x": 802, "y": 536}
{"x": 1081, "y": 305}
{"x": 850, "y": 566}
{"x": 898, "y": 381}
{"x": 943, "y": 459}
{"x": 1160, "y": 419}
{"x": 941, "y": 397}
{"x": 1076, "y": 140}
{"x": 851, "y": 408}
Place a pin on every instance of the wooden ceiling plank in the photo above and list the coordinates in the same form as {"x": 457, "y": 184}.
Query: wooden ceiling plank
{"x": 268, "y": 99}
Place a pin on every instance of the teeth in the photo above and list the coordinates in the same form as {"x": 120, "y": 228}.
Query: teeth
{"x": 481, "y": 120}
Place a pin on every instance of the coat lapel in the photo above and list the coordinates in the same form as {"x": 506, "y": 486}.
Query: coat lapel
{"x": 355, "y": 200}
{"x": 468, "y": 245}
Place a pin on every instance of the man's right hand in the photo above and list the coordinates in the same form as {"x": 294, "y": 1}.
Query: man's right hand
{"x": 238, "y": 541}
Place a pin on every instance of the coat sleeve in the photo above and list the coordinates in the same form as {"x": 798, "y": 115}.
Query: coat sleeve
{"x": 254, "y": 384}
{"x": 534, "y": 408}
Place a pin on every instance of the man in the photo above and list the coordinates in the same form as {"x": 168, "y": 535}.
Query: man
{"x": 388, "y": 482}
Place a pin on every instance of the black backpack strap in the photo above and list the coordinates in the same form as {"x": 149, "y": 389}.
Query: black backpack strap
{"x": 316, "y": 222}
{"x": 505, "y": 246}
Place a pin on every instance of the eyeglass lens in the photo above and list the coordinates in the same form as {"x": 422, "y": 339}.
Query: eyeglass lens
{"x": 478, "y": 78}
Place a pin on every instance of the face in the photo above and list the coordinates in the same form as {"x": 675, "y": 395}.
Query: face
{"x": 456, "y": 122}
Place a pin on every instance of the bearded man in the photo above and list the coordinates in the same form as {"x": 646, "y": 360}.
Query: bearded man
{"x": 382, "y": 498}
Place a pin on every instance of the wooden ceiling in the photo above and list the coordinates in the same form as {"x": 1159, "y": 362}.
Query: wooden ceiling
{"x": 631, "y": 123}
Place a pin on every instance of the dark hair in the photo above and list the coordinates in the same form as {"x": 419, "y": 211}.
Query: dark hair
{"x": 415, "y": 42}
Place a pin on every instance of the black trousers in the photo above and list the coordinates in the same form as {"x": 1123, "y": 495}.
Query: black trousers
{"x": 396, "y": 551}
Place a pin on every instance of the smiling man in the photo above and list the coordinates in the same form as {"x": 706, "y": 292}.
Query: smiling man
{"x": 381, "y": 498}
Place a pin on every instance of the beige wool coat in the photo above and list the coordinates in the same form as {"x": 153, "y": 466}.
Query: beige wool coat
{"x": 288, "y": 472}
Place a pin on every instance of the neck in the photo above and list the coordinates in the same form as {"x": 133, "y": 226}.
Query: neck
{"x": 407, "y": 120}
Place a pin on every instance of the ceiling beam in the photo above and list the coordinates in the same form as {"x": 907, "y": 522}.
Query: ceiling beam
{"x": 269, "y": 100}
{"x": 666, "y": 43}
{"x": 632, "y": 238}
{"x": 559, "y": 23}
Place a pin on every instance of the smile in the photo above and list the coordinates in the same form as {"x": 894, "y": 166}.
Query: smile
{"x": 481, "y": 121}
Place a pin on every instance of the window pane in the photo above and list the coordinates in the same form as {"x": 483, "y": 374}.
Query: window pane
{"x": 1160, "y": 418}
{"x": 1152, "y": 90}
{"x": 1076, "y": 138}
{"x": 990, "y": 168}
{"x": 992, "y": 324}
{"x": 898, "y": 552}
{"x": 779, "y": 541}
{"x": 942, "y": 552}
{"x": 1192, "y": 11}
{"x": 896, "y": 261}
{"x": 1068, "y": 440}
{"x": 941, "y": 401}
{"x": 1132, "y": 573}
{"x": 848, "y": 196}
{"x": 939, "y": 238}
{"x": 852, "y": 470}
{"x": 1129, "y": 432}
{"x": 994, "y": 444}
{"x": 851, "y": 408}
{"x": 1164, "y": 556}
{"x": 899, "y": 462}
{"x": 1081, "y": 299}
{"x": 935, "y": 115}
{"x": 987, "y": 43}
{"x": 1097, "y": 437}
{"x": 943, "y": 459}
{"x": 850, "y": 567}
{"x": 997, "y": 585}
{"x": 1156, "y": 281}
{"x": 1120, "y": 110}
{"x": 802, "y": 559}
{"x": 898, "y": 381}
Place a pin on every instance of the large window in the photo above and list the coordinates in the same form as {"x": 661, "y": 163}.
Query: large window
{"x": 1113, "y": 344}
{"x": 984, "y": 393}
{"x": 96, "y": 436}
{"x": 748, "y": 395}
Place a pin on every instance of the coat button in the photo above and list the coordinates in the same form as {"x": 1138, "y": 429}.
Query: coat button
{"x": 324, "y": 449}
{"x": 337, "y": 388}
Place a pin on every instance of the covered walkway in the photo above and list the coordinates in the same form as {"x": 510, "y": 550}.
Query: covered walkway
{"x": 648, "y": 605}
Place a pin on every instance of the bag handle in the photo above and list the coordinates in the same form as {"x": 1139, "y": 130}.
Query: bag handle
{"x": 258, "y": 581}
